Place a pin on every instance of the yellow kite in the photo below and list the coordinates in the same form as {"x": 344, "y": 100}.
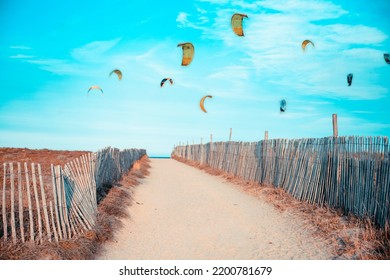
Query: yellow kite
{"x": 95, "y": 87}
{"x": 237, "y": 24}
{"x": 188, "y": 53}
{"x": 202, "y": 102}
{"x": 304, "y": 44}
{"x": 118, "y": 73}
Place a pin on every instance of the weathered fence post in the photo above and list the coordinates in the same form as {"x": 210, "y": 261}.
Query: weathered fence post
{"x": 21, "y": 226}
{"x": 5, "y": 229}
{"x": 230, "y": 135}
{"x": 335, "y": 128}
{"x": 52, "y": 222}
{"x": 44, "y": 205}
{"x": 54, "y": 188}
{"x": 266, "y": 135}
{"x": 13, "y": 227}
{"x": 34, "y": 178}
{"x": 30, "y": 212}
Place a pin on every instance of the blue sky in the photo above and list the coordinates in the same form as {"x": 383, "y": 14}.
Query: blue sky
{"x": 51, "y": 52}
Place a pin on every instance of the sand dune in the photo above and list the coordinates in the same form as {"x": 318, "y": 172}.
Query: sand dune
{"x": 180, "y": 212}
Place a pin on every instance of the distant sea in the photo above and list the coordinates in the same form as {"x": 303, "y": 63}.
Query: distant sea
{"x": 159, "y": 156}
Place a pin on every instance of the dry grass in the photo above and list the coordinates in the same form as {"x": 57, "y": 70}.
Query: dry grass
{"x": 44, "y": 157}
{"x": 351, "y": 237}
{"x": 111, "y": 209}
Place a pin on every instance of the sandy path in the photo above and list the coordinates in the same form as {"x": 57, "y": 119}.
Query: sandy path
{"x": 180, "y": 212}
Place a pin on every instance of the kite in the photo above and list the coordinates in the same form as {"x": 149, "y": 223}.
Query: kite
{"x": 304, "y": 44}
{"x": 202, "y": 102}
{"x": 386, "y": 57}
{"x": 283, "y": 105}
{"x": 349, "y": 79}
{"x": 95, "y": 87}
{"x": 118, "y": 72}
{"x": 237, "y": 24}
{"x": 164, "y": 80}
{"x": 188, "y": 53}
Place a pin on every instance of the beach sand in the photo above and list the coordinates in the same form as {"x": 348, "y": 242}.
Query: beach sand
{"x": 180, "y": 212}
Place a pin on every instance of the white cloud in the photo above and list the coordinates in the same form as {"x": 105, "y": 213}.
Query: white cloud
{"x": 229, "y": 73}
{"x": 94, "y": 50}
{"x": 21, "y": 56}
{"x": 245, "y": 5}
{"x": 182, "y": 18}
{"x": 313, "y": 10}
{"x": 366, "y": 53}
{"x": 203, "y": 19}
{"x": 79, "y": 65}
{"x": 215, "y": 1}
{"x": 20, "y": 47}
{"x": 200, "y": 10}
{"x": 353, "y": 34}
{"x": 57, "y": 66}
{"x": 183, "y": 21}
{"x": 362, "y": 112}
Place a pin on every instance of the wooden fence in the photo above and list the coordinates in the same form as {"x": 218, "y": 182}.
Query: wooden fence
{"x": 352, "y": 173}
{"x": 33, "y": 210}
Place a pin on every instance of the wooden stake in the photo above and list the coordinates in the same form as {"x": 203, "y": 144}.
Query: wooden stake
{"x": 44, "y": 206}
{"x": 266, "y": 135}
{"x": 30, "y": 213}
{"x": 13, "y": 228}
{"x": 335, "y": 127}
{"x": 230, "y": 135}
{"x": 20, "y": 202}
{"x": 53, "y": 222}
{"x": 92, "y": 160}
{"x": 5, "y": 229}
{"x": 66, "y": 205}
{"x": 60, "y": 200}
{"x": 54, "y": 185}
{"x": 37, "y": 202}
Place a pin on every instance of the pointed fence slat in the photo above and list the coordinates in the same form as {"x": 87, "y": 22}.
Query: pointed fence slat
{"x": 34, "y": 178}
{"x": 20, "y": 202}
{"x": 56, "y": 212}
{"x": 5, "y": 227}
{"x": 13, "y": 226}
{"x": 53, "y": 223}
{"x": 30, "y": 211}
{"x": 59, "y": 186}
{"x": 44, "y": 206}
